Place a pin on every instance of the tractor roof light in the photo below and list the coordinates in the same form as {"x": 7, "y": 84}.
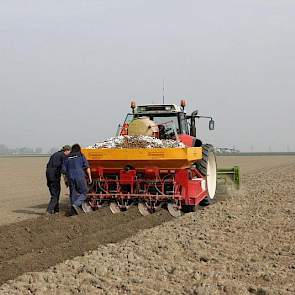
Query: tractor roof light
{"x": 183, "y": 103}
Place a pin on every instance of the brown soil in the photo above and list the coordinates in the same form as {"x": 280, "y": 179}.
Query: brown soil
{"x": 36, "y": 244}
{"x": 250, "y": 164}
{"x": 23, "y": 190}
{"x": 241, "y": 245}
{"x": 24, "y": 194}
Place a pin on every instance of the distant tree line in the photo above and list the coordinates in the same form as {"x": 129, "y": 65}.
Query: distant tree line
{"x": 5, "y": 150}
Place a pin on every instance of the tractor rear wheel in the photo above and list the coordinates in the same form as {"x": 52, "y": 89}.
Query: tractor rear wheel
{"x": 207, "y": 167}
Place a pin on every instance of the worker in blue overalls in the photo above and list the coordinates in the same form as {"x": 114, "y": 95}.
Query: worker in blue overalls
{"x": 76, "y": 168}
{"x": 53, "y": 175}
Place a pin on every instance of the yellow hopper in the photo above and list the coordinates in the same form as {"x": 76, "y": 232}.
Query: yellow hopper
{"x": 141, "y": 158}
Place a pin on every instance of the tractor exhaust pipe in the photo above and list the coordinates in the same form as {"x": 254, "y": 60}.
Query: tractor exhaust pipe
{"x": 193, "y": 131}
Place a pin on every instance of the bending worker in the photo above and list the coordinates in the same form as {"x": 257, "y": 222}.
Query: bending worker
{"x": 53, "y": 175}
{"x": 74, "y": 168}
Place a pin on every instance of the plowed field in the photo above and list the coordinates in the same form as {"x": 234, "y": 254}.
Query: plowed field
{"x": 240, "y": 245}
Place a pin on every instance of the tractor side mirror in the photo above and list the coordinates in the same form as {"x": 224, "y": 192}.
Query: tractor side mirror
{"x": 211, "y": 124}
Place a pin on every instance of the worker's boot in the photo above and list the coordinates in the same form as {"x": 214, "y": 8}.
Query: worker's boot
{"x": 56, "y": 209}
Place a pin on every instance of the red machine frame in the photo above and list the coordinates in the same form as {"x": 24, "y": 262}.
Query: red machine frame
{"x": 153, "y": 186}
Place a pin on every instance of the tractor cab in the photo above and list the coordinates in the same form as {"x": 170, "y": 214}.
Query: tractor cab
{"x": 164, "y": 121}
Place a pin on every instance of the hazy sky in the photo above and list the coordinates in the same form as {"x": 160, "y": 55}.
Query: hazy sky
{"x": 69, "y": 68}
